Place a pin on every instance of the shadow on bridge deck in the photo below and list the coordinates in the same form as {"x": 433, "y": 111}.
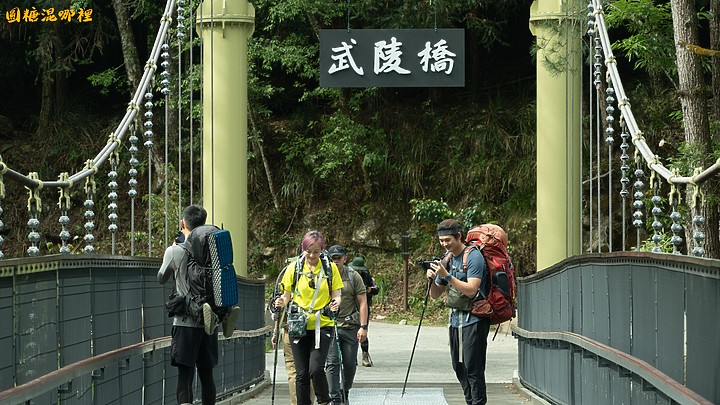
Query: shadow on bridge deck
{"x": 390, "y": 348}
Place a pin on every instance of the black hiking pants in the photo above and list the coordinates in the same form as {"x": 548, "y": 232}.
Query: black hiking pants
{"x": 310, "y": 366}
{"x": 471, "y": 371}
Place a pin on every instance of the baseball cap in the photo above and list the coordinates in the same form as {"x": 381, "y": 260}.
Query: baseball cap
{"x": 336, "y": 250}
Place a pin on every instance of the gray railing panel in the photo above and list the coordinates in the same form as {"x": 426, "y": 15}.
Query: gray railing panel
{"x": 620, "y": 305}
{"x": 252, "y": 303}
{"x": 576, "y": 380}
{"x": 79, "y": 392}
{"x": 635, "y": 304}
{"x": 118, "y": 297}
{"x": 554, "y": 306}
{"x": 154, "y": 297}
{"x": 130, "y": 287}
{"x": 619, "y": 386}
{"x": 564, "y": 310}
{"x": 154, "y": 370}
{"x": 121, "y": 383}
{"x": 587, "y": 302}
{"x": 75, "y": 343}
{"x": 563, "y": 369}
{"x": 644, "y": 331}
{"x": 37, "y": 325}
{"x": 588, "y": 369}
{"x": 703, "y": 324}
{"x": 75, "y": 312}
{"x": 171, "y": 379}
{"x": 641, "y": 395}
{"x": 6, "y": 333}
{"x": 601, "y": 305}
{"x": 670, "y": 328}
{"x": 575, "y": 296}
{"x": 106, "y": 310}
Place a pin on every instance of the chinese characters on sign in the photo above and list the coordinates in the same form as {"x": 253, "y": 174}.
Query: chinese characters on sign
{"x": 392, "y": 58}
{"x": 32, "y": 15}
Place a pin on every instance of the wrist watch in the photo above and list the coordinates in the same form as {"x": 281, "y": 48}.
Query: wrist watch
{"x": 447, "y": 278}
{"x": 364, "y": 326}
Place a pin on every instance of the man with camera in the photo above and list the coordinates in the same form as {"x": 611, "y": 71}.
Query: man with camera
{"x": 191, "y": 346}
{"x": 350, "y": 330}
{"x": 468, "y": 333}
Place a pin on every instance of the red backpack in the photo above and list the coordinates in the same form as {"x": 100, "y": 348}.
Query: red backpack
{"x": 491, "y": 241}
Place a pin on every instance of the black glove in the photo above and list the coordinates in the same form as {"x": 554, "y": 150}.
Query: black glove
{"x": 273, "y": 308}
{"x": 327, "y": 312}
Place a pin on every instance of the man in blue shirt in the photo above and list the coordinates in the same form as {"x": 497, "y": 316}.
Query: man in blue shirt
{"x": 468, "y": 333}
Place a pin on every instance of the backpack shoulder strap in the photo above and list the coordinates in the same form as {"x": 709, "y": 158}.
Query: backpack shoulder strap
{"x": 327, "y": 269}
{"x": 298, "y": 269}
{"x": 350, "y": 272}
{"x": 466, "y": 253}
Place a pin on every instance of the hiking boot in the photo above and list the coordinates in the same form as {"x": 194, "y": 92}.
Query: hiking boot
{"x": 366, "y": 360}
{"x": 210, "y": 319}
{"x": 230, "y": 320}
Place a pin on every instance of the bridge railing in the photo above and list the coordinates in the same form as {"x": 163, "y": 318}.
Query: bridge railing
{"x": 622, "y": 328}
{"x": 93, "y": 330}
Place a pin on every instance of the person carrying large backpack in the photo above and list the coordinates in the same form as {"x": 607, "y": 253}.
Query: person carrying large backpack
{"x": 191, "y": 346}
{"x": 311, "y": 286}
{"x": 468, "y": 333}
{"x": 371, "y": 289}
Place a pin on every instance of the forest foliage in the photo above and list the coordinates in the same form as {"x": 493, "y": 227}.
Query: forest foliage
{"x": 339, "y": 157}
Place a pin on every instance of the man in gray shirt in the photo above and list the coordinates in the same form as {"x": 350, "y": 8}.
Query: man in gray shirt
{"x": 191, "y": 346}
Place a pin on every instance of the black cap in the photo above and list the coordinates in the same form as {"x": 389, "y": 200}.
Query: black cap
{"x": 336, "y": 250}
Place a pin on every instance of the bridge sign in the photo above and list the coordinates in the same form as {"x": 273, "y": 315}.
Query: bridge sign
{"x": 392, "y": 58}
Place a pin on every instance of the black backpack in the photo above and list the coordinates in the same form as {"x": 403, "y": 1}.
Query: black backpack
{"x": 211, "y": 275}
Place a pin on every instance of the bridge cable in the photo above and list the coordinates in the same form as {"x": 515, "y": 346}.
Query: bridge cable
{"x": 90, "y": 190}
{"x": 34, "y": 207}
{"x": 609, "y": 141}
{"x": 212, "y": 109}
{"x": 192, "y": 90}
{"x": 567, "y": 78}
{"x": 590, "y": 148}
{"x": 166, "y": 93}
{"x": 3, "y": 170}
{"x": 598, "y": 83}
{"x": 133, "y": 183}
{"x": 698, "y": 220}
{"x": 624, "y": 180}
{"x": 112, "y": 195}
{"x": 180, "y": 35}
{"x": 675, "y": 216}
{"x": 639, "y": 195}
{"x": 656, "y": 211}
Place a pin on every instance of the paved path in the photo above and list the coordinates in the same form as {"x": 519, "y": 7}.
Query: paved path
{"x": 390, "y": 349}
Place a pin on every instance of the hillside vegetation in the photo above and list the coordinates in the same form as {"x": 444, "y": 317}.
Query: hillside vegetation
{"x": 364, "y": 166}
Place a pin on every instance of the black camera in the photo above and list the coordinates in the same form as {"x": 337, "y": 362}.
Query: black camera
{"x": 179, "y": 237}
{"x": 426, "y": 264}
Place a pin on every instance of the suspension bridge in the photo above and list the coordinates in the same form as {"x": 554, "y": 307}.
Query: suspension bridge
{"x": 621, "y": 323}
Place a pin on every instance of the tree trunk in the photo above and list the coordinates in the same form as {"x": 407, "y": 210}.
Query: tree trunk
{"x": 259, "y": 148}
{"x": 127, "y": 40}
{"x": 693, "y": 100}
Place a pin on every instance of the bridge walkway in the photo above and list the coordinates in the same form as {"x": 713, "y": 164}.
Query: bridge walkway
{"x": 431, "y": 377}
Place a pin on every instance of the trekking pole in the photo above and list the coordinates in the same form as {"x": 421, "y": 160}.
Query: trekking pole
{"x": 337, "y": 341}
{"x": 278, "y": 332}
{"x": 430, "y": 281}
{"x": 278, "y": 336}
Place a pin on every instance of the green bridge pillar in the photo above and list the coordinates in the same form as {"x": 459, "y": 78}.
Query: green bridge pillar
{"x": 558, "y": 132}
{"x": 225, "y": 26}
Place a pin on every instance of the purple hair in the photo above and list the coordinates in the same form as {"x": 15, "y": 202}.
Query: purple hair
{"x": 312, "y": 237}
